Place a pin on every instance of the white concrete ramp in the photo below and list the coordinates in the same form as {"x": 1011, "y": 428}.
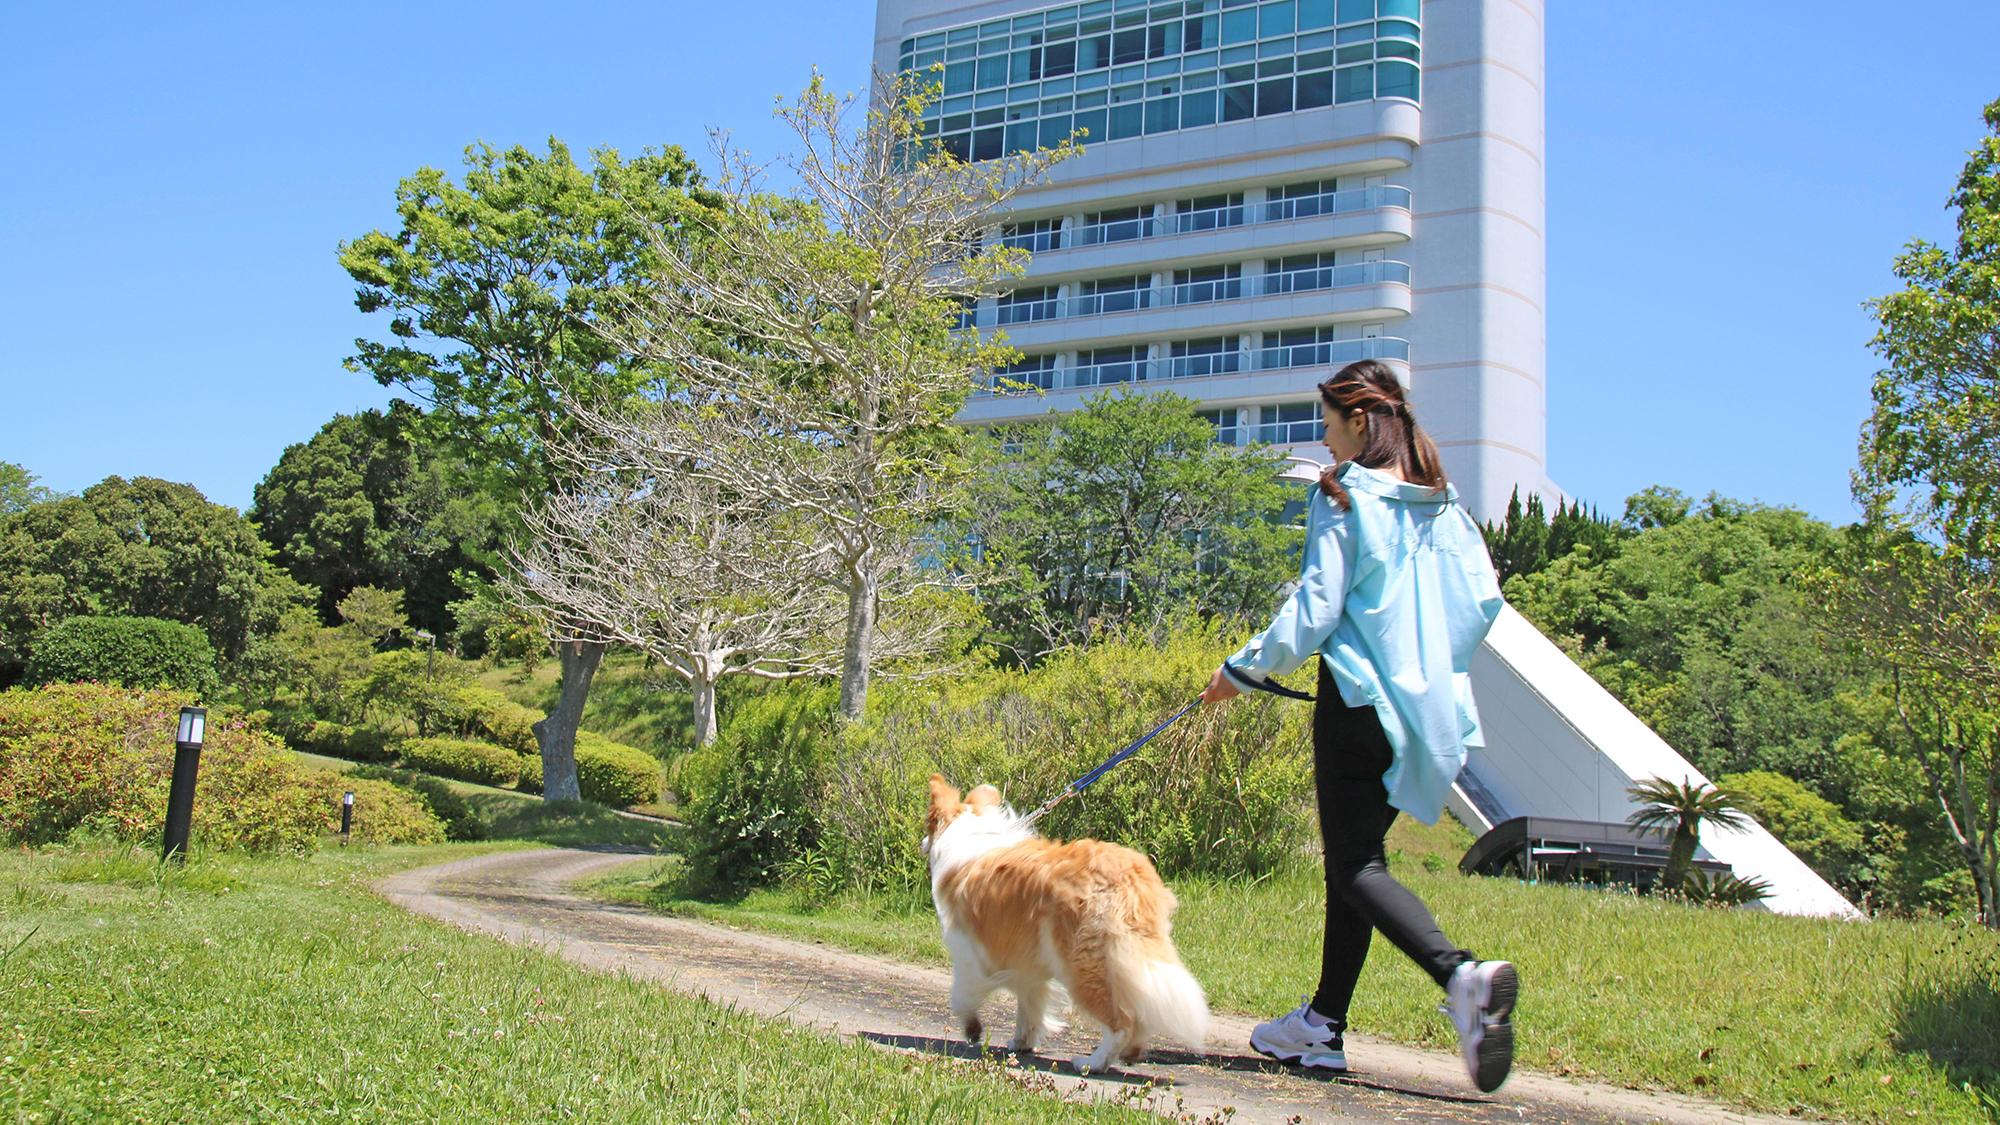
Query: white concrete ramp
{"x": 1559, "y": 745}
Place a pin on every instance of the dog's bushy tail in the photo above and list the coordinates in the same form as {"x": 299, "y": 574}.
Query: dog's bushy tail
{"x": 1165, "y": 998}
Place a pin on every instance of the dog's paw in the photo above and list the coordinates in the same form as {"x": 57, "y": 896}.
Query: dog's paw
{"x": 1026, "y": 1043}
{"x": 975, "y": 1031}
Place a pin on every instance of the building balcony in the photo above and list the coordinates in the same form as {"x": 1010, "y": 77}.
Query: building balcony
{"x": 1331, "y": 354}
{"x": 1360, "y": 291}
{"x": 1332, "y": 220}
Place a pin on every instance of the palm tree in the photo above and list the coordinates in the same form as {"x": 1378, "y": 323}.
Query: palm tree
{"x": 1680, "y": 809}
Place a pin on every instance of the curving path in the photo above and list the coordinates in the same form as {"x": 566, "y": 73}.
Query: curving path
{"x": 524, "y": 897}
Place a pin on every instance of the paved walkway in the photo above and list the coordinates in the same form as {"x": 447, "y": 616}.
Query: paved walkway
{"x": 524, "y": 897}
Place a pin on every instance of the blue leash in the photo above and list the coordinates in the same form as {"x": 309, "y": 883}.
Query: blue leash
{"x": 1084, "y": 782}
{"x": 1087, "y": 780}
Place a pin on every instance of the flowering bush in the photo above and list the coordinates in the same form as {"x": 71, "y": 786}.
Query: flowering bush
{"x": 99, "y": 759}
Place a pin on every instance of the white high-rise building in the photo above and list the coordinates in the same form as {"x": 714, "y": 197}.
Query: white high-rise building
{"x": 1271, "y": 189}
{"x": 1268, "y": 191}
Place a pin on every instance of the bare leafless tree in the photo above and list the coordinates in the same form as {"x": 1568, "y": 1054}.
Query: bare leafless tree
{"x": 814, "y": 353}
{"x": 636, "y": 552}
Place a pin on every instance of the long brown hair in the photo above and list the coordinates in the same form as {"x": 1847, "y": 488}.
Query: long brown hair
{"x": 1394, "y": 441}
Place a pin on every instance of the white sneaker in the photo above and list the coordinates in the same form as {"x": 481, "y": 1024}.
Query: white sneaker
{"x": 1479, "y": 998}
{"x": 1291, "y": 1038}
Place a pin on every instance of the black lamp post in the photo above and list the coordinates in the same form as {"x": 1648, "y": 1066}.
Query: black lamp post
{"x": 346, "y": 815}
{"x": 424, "y": 708}
{"x": 180, "y": 795}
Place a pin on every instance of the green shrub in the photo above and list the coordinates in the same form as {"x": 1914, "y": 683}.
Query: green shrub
{"x": 133, "y": 652}
{"x": 490, "y": 715}
{"x": 385, "y": 812}
{"x": 614, "y": 774}
{"x": 753, "y": 796}
{"x": 1225, "y": 791}
{"x": 464, "y": 759}
{"x": 96, "y": 758}
{"x": 335, "y": 740}
{"x": 607, "y": 772}
{"x": 460, "y": 821}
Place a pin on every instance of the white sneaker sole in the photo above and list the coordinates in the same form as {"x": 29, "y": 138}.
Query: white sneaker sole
{"x": 1489, "y": 1052}
{"x": 1335, "y": 1061}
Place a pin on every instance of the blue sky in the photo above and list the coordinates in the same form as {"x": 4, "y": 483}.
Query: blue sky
{"x": 1723, "y": 195}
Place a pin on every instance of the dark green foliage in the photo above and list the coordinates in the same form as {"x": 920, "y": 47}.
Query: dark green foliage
{"x": 1527, "y": 539}
{"x": 134, "y": 652}
{"x": 362, "y": 504}
{"x": 138, "y": 548}
{"x": 755, "y": 796}
{"x": 1128, "y": 513}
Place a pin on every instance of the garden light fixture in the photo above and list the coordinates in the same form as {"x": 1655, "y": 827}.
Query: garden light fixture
{"x": 180, "y": 793}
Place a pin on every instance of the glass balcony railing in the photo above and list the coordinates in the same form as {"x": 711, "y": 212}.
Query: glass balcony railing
{"x": 1189, "y": 293}
{"x": 1215, "y": 218}
{"x": 1329, "y": 353}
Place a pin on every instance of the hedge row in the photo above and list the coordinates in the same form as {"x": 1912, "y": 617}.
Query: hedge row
{"x": 464, "y": 759}
{"x": 607, "y": 772}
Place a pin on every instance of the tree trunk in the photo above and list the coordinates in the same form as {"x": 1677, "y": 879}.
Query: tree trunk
{"x": 859, "y": 655}
{"x": 704, "y": 708}
{"x": 1680, "y": 858}
{"x": 557, "y": 733}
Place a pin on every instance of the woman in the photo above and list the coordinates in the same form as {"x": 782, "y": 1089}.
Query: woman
{"x": 1395, "y": 594}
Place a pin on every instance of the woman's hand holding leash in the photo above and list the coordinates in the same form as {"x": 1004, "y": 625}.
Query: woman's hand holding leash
{"x": 1220, "y": 687}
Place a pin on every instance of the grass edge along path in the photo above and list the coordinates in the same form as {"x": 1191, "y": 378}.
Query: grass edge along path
{"x": 1880, "y": 1021}
{"x": 248, "y": 988}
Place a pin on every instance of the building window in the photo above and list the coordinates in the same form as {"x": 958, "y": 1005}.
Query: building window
{"x": 1112, "y": 294}
{"x": 1273, "y": 57}
{"x": 1207, "y": 283}
{"x": 1214, "y": 355}
{"x": 1102, "y": 366}
{"x": 1208, "y": 212}
{"x": 1228, "y": 423}
{"x": 1023, "y": 306}
{"x": 1290, "y": 423}
{"x": 1035, "y": 237}
{"x": 1035, "y": 371}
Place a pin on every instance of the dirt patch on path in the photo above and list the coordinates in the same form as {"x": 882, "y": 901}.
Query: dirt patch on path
{"x": 524, "y": 897}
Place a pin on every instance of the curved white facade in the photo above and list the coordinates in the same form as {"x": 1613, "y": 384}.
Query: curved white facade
{"x": 1428, "y": 236}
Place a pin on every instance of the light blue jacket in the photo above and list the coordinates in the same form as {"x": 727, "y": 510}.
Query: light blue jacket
{"x": 1395, "y": 595}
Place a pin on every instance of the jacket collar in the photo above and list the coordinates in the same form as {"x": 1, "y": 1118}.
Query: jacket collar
{"x": 1360, "y": 478}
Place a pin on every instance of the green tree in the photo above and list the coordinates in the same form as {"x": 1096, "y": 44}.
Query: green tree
{"x": 1677, "y": 810}
{"x": 363, "y": 504}
{"x": 1810, "y": 825}
{"x": 1707, "y": 629}
{"x": 137, "y": 548}
{"x": 494, "y": 287}
{"x": 1126, "y": 512}
{"x": 18, "y": 489}
{"x": 1921, "y": 593}
{"x": 816, "y": 354}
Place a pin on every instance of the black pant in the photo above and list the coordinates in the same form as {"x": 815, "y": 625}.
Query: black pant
{"x": 1350, "y": 755}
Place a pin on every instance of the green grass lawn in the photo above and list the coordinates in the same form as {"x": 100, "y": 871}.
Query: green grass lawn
{"x": 245, "y": 989}
{"x": 1882, "y": 1020}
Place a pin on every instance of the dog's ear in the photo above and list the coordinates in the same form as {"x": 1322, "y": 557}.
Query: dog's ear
{"x": 945, "y": 805}
{"x": 983, "y": 799}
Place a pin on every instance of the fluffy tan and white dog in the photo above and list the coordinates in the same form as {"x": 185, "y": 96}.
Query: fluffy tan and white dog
{"x": 1035, "y": 916}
